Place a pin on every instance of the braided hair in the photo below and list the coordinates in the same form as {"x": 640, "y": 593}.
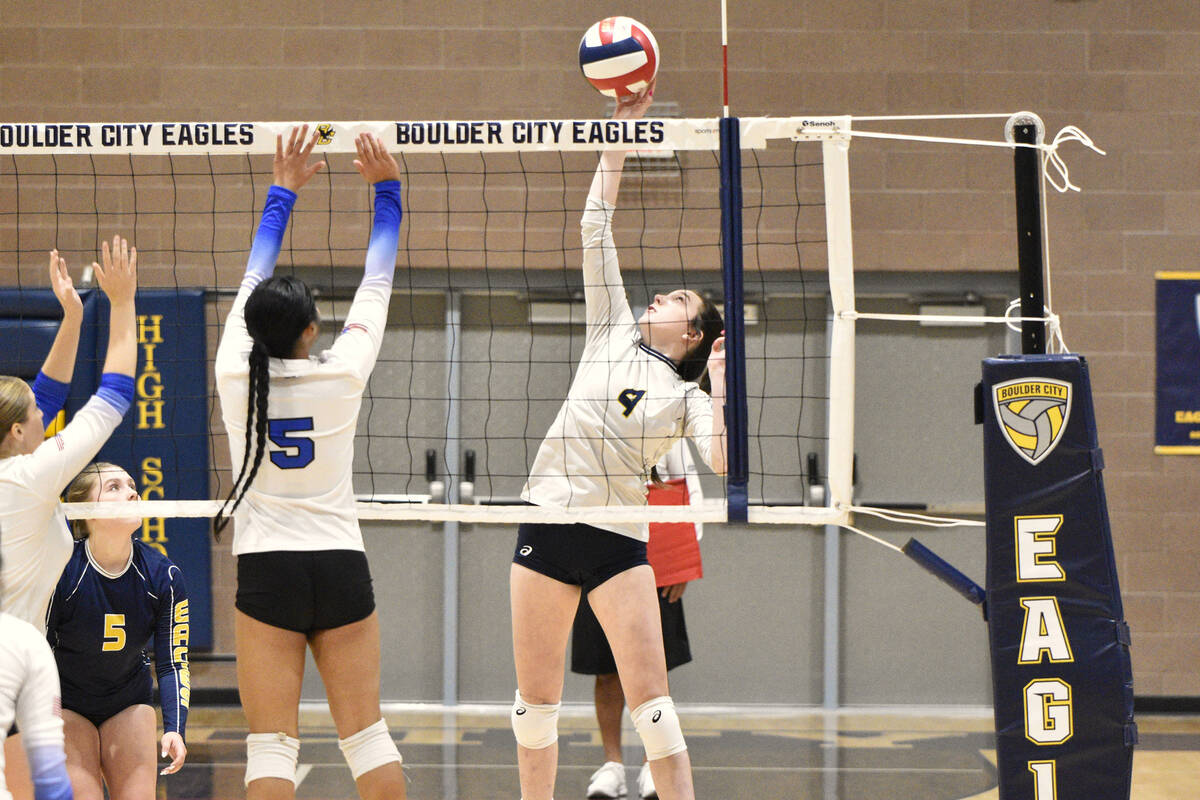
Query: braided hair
{"x": 277, "y": 312}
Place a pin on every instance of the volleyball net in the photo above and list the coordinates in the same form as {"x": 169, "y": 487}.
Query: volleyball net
{"x": 486, "y": 321}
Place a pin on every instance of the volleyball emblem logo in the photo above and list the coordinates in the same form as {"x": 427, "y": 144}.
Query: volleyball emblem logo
{"x": 325, "y": 133}
{"x": 1032, "y": 414}
{"x": 618, "y": 56}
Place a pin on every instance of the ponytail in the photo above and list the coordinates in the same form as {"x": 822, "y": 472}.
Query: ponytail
{"x": 694, "y": 365}
{"x": 256, "y": 428}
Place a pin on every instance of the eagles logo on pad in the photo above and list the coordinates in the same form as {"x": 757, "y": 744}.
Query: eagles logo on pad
{"x": 1032, "y": 413}
{"x": 325, "y": 133}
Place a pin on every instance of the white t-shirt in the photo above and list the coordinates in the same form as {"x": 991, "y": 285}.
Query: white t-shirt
{"x": 626, "y": 407}
{"x": 302, "y": 497}
{"x": 34, "y": 539}
{"x": 29, "y": 692}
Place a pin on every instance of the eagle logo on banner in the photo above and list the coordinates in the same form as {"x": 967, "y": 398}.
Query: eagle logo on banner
{"x": 1032, "y": 414}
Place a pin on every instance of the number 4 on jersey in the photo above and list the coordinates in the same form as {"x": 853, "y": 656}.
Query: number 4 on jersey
{"x": 628, "y": 398}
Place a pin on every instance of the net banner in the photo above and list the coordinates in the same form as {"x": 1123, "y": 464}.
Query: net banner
{"x": 1061, "y": 674}
{"x": 419, "y": 136}
{"x": 1177, "y": 383}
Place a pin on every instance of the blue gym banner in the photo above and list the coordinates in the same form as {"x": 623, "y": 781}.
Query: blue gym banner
{"x": 1177, "y": 383}
{"x": 1061, "y": 674}
{"x": 163, "y": 441}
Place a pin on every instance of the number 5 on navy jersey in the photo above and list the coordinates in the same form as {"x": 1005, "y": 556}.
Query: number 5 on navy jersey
{"x": 297, "y": 451}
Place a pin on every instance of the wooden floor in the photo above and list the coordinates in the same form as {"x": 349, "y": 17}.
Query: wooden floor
{"x": 759, "y": 753}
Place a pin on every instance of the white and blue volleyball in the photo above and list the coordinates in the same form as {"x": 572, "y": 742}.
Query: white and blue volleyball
{"x": 618, "y": 56}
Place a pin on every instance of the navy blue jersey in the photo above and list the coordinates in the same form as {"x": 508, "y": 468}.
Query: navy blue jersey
{"x": 101, "y": 626}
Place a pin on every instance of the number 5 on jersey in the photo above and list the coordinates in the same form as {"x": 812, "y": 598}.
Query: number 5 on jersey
{"x": 297, "y": 451}
{"x": 114, "y": 633}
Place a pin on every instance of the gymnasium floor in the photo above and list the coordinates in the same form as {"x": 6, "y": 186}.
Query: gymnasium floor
{"x": 737, "y": 755}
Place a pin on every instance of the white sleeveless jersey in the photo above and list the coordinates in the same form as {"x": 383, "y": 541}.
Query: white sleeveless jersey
{"x": 29, "y": 692}
{"x": 35, "y": 542}
{"x": 302, "y": 497}
{"x": 626, "y": 406}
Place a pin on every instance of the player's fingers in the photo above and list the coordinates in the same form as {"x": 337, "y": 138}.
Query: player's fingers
{"x": 279, "y": 147}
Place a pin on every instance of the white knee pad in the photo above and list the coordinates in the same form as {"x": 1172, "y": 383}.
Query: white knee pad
{"x": 370, "y": 748}
{"x": 271, "y": 755}
{"x": 658, "y": 725}
{"x": 536, "y": 727}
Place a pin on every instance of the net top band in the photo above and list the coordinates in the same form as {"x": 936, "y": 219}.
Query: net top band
{"x": 435, "y": 136}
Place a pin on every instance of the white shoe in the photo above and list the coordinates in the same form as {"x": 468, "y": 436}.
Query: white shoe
{"x": 646, "y": 783}
{"x": 608, "y": 781}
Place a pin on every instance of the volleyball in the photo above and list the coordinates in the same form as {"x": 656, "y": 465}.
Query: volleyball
{"x": 618, "y": 56}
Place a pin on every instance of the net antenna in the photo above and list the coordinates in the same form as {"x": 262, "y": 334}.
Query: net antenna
{"x": 725, "y": 58}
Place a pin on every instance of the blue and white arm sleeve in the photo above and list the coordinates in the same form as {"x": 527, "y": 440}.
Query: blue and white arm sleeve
{"x": 116, "y": 389}
{"x": 48, "y": 766}
{"x": 50, "y": 396}
{"x": 39, "y": 716}
{"x": 385, "y": 234}
{"x": 269, "y": 238}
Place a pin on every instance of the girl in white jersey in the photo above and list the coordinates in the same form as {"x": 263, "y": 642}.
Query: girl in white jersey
{"x": 633, "y": 396}
{"x": 302, "y": 572}
{"x": 29, "y": 698}
{"x": 35, "y": 543}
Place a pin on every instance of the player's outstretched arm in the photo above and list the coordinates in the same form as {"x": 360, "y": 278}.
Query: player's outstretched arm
{"x": 118, "y": 278}
{"x": 379, "y": 168}
{"x": 51, "y": 385}
{"x": 606, "y": 183}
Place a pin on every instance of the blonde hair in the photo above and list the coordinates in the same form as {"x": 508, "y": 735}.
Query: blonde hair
{"x": 14, "y": 403}
{"x": 82, "y": 489}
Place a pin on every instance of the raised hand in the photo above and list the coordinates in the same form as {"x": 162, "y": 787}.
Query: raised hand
{"x": 716, "y": 367}
{"x": 64, "y": 289}
{"x": 634, "y": 106}
{"x": 118, "y": 276}
{"x": 374, "y": 162}
{"x": 291, "y": 168}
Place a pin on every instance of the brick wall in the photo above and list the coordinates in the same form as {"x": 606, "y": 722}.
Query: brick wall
{"x": 1124, "y": 70}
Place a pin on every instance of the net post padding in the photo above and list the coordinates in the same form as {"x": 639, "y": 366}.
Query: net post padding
{"x": 736, "y": 416}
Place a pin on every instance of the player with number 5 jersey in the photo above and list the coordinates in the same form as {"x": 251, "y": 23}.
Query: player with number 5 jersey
{"x": 114, "y": 597}
{"x": 302, "y": 573}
